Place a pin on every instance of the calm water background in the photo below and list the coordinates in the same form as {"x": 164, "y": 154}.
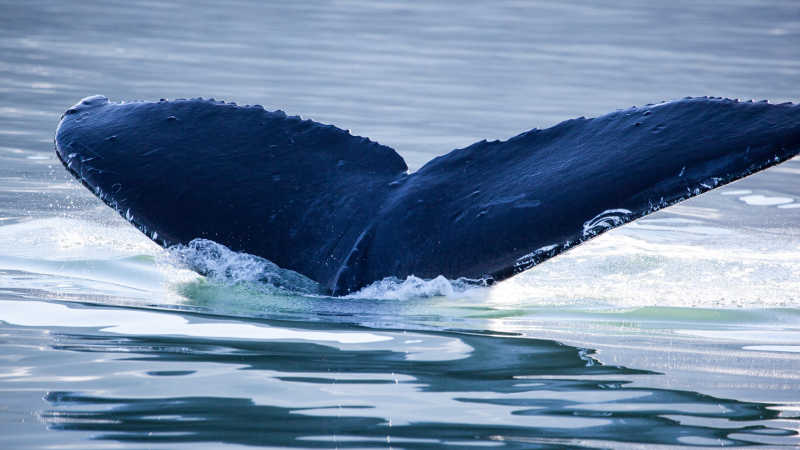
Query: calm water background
{"x": 680, "y": 329}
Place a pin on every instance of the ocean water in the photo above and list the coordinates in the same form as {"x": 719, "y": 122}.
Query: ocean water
{"x": 680, "y": 329}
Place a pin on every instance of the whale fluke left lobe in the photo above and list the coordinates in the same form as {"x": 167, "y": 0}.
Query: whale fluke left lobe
{"x": 293, "y": 191}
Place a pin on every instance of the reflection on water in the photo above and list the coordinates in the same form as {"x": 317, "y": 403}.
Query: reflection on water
{"x": 240, "y": 421}
{"x": 507, "y": 390}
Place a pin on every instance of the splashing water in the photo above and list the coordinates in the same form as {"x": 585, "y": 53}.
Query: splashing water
{"x": 415, "y": 287}
{"x": 224, "y": 266}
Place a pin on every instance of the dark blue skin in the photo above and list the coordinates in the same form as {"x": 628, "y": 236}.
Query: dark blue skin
{"x": 343, "y": 210}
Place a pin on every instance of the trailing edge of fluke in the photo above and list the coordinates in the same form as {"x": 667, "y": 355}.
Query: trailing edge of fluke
{"x": 344, "y": 211}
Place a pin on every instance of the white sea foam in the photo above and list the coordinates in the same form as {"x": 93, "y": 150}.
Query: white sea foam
{"x": 393, "y": 288}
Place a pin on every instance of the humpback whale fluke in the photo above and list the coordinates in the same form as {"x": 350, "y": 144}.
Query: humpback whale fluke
{"x": 344, "y": 211}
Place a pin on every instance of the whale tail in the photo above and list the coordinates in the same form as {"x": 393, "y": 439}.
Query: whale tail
{"x": 344, "y": 211}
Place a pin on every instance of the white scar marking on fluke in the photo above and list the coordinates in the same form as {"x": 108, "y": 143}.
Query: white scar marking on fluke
{"x": 606, "y": 220}
{"x": 531, "y": 257}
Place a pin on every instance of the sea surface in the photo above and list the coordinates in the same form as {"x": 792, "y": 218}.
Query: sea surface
{"x": 680, "y": 329}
